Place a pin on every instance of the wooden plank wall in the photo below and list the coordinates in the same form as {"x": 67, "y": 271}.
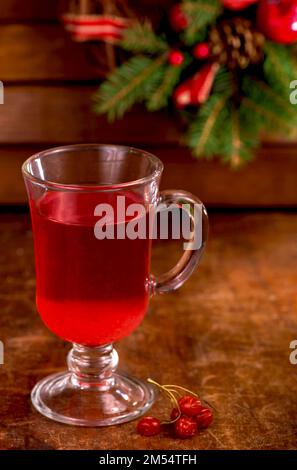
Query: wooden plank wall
{"x": 49, "y": 82}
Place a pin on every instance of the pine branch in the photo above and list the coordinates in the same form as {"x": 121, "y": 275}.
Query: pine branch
{"x": 132, "y": 82}
{"x": 271, "y": 119}
{"x": 280, "y": 100}
{"x": 192, "y": 35}
{"x": 237, "y": 143}
{"x": 141, "y": 38}
{"x": 223, "y": 82}
{"x": 270, "y": 110}
{"x": 279, "y": 67}
{"x": 200, "y": 13}
{"x": 159, "y": 99}
{"x": 204, "y": 134}
{"x": 233, "y": 154}
{"x": 274, "y": 69}
{"x": 238, "y": 148}
{"x": 221, "y": 129}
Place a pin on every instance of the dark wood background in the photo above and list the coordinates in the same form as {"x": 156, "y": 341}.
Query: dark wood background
{"x": 49, "y": 82}
{"x": 226, "y": 333}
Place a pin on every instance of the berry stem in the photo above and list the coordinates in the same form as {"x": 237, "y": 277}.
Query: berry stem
{"x": 209, "y": 404}
{"x": 172, "y": 390}
{"x": 171, "y": 396}
{"x": 171, "y": 387}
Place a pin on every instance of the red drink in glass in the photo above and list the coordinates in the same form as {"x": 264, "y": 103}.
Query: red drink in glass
{"x": 89, "y": 291}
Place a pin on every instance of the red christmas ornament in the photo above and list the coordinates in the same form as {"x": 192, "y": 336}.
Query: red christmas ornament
{"x": 201, "y": 50}
{"x": 196, "y": 89}
{"x": 177, "y": 18}
{"x": 176, "y": 57}
{"x": 237, "y": 4}
{"x": 277, "y": 20}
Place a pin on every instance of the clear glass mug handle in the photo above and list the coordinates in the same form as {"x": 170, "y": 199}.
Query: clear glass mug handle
{"x": 190, "y": 259}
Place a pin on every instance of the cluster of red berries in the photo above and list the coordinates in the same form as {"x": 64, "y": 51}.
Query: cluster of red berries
{"x": 187, "y": 417}
{"x": 200, "y": 51}
{"x": 179, "y": 22}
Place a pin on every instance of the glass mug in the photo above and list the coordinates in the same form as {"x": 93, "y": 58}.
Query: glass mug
{"x": 92, "y": 291}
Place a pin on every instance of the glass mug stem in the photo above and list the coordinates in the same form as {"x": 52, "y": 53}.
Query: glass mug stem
{"x": 93, "y": 367}
{"x": 93, "y": 292}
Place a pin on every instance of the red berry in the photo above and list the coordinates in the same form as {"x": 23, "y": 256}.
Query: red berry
{"x": 175, "y": 57}
{"x": 201, "y": 50}
{"x": 190, "y": 405}
{"x": 148, "y": 426}
{"x": 204, "y": 418}
{"x": 174, "y": 414}
{"x": 178, "y": 19}
{"x": 185, "y": 427}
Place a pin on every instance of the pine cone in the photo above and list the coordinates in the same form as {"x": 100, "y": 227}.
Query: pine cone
{"x": 235, "y": 43}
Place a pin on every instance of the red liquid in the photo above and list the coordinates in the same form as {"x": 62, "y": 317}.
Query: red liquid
{"x": 89, "y": 291}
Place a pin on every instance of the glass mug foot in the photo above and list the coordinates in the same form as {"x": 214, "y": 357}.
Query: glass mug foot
{"x": 90, "y": 393}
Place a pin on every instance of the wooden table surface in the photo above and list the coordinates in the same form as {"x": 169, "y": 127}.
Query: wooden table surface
{"x": 226, "y": 333}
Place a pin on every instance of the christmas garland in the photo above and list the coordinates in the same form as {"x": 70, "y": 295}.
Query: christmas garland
{"x": 226, "y": 65}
